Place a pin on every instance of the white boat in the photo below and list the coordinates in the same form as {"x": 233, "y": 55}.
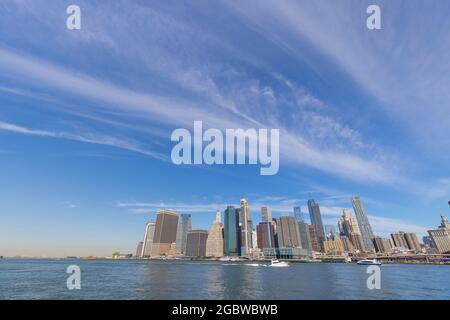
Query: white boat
{"x": 277, "y": 263}
{"x": 368, "y": 262}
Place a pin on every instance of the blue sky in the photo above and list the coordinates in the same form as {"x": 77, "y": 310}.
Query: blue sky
{"x": 86, "y": 115}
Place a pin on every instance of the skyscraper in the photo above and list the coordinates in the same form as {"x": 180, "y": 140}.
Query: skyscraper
{"x": 139, "y": 249}
{"x": 382, "y": 245}
{"x": 266, "y": 214}
{"x": 196, "y": 243}
{"x": 184, "y": 226}
{"x": 347, "y": 224}
{"x": 266, "y": 235}
{"x": 231, "y": 231}
{"x": 316, "y": 220}
{"x": 363, "y": 223}
{"x": 357, "y": 242}
{"x": 305, "y": 237}
{"x": 298, "y": 214}
{"x": 399, "y": 239}
{"x": 288, "y": 233}
{"x": 314, "y": 239}
{"x": 441, "y": 236}
{"x": 148, "y": 239}
{"x": 165, "y": 233}
{"x": 214, "y": 243}
{"x": 245, "y": 226}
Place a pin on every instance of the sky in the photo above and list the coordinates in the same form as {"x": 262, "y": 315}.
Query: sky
{"x": 86, "y": 115}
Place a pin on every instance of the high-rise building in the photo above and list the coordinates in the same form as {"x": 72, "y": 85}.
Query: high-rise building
{"x": 287, "y": 232}
{"x": 412, "y": 242}
{"x": 316, "y": 220}
{"x": 382, "y": 245}
{"x": 148, "y": 239}
{"x": 357, "y": 242}
{"x": 399, "y": 239}
{"x": 245, "y": 226}
{"x": 266, "y": 214}
{"x": 441, "y": 236}
{"x": 347, "y": 224}
{"x": 184, "y": 226}
{"x": 363, "y": 223}
{"x": 305, "y": 237}
{"x": 347, "y": 244}
{"x": 232, "y": 232}
{"x": 298, "y": 214}
{"x": 214, "y": 244}
{"x": 329, "y": 231}
{"x": 333, "y": 245}
{"x": 139, "y": 249}
{"x": 265, "y": 235}
{"x": 314, "y": 239}
{"x": 196, "y": 243}
{"x": 165, "y": 233}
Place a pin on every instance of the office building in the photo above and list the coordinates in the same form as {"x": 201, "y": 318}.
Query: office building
{"x": 315, "y": 244}
{"x": 347, "y": 244}
{"x": 232, "y": 232}
{"x": 148, "y": 239}
{"x": 382, "y": 245}
{"x": 347, "y": 224}
{"x": 333, "y": 246}
{"x": 316, "y": 220}
{"x": 265, "y": 235}
{"x": 266, "y": 214}
{"x": 305, "y": 237}
{"x": 165, "y": 233}
{"x": 184, "y": 226}
{"x": 139, "y": 249}
{"x": 357, "y": 242}
{"x": 363, "y": 224}
{"x": 406, "y": 240}
{"x": 245, "y": 227}
{"x": 214, "y": 244}
{"x": 196, "y": 243}
{"x": 298, "y": 214}
{"x": 287, "y": 232}
{"x": 441, "y": 236}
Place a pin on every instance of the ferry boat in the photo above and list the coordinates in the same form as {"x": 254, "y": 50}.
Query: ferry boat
{"x": 277, "y": 263}
{"x": 368, "y": 262}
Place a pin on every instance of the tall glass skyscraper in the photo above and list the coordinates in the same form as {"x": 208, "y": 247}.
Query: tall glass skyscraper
{"x": 363, "y": 223}
{"x": 316, "y": 219}
{"x": 184, "y": 226}
{"x": 266, "y": 214}
{"x": 231, "y": 232}
{"x": 298, "y": 214}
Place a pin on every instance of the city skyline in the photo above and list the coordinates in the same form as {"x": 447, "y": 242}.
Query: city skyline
{"x": 86, "y": 116}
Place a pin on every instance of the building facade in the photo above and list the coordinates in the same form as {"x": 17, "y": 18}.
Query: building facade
{"x": 148, "y": 239}
{"x": 316, "y": 220}
{"x": 184, "y": 226}
{"x": 441, "y": 236}
{"x": 363, "y": 224}
{"x": 214, "y": 243}
{"x": 232, "y": 232}
{"x": 165, "y": 235}
{"x": 196, "y": 243}
{"x": 265, "y": 235}
{"x": 266, "y": 214}
{"x": 245, "y": 227}
{"x": 287, "y": 232}
{"x": 347, "y": 224}
{"x": 382, "y": 245}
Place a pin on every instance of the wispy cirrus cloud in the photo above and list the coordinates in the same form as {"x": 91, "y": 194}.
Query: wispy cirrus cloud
{"x": 83, "y": 137}
{"x": 295, "y": 148}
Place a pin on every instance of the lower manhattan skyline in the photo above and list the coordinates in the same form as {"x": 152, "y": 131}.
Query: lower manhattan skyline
{"x": 87, "y": 114}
